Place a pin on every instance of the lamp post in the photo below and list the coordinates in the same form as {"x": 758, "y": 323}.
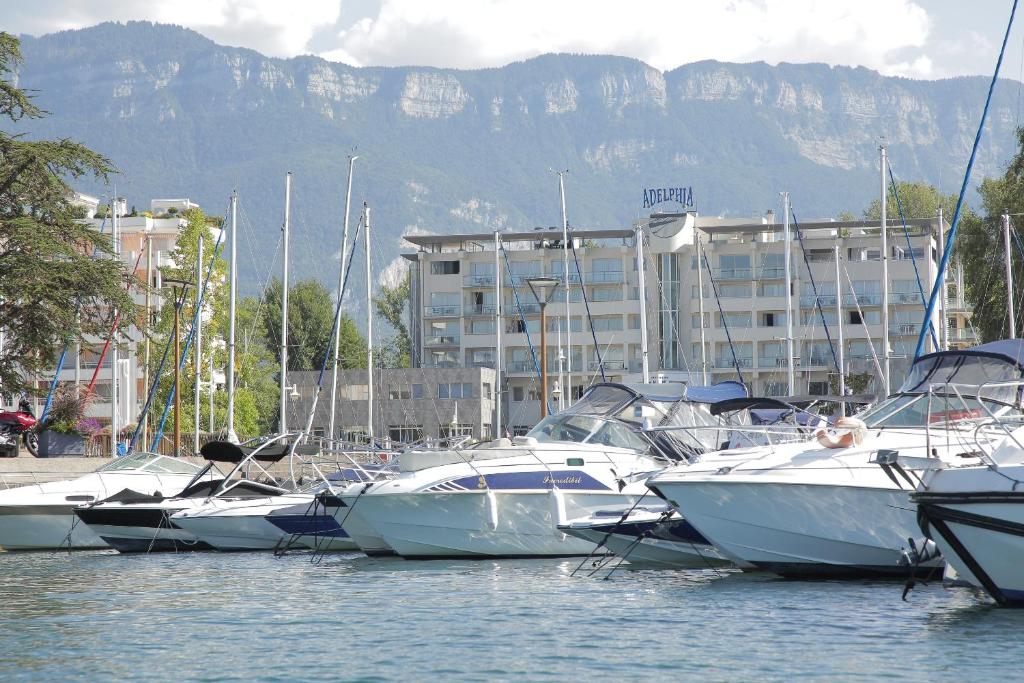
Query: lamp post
{"x": 179, "y": 300}
{"x": 543, "y": 288}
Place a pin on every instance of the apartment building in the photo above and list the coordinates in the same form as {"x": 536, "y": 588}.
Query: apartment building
{"x": 456, "y": 281}
{"x": 747, "y": 274}
{"x": 146, "y": 243}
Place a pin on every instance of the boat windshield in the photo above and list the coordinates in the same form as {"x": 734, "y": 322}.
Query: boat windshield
{"x": 151, "y": 462}
{"x": 921, "y": 410}
{"x": 585, "y": 429}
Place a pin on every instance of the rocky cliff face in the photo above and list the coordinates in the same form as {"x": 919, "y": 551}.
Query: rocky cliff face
{"x": 446, "y": 150}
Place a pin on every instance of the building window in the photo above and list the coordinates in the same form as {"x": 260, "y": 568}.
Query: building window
{"x": 733, "y": 291}
{"x": 453, "y": 431}
{"x": 634, "y": 321}
{"x": 771, "y": 289}
{"x": 455, "y": 390}
{"x": 734, "y": 320}
{"x": 607, "y": 294}
{"x": 417, "y": 391}
{"x": 775, "y": 388}
{"x": 354, "y": 392}
{"x": 517, "y": 395}
{"x": 399, "y": 393}
{"x": 405, "y": 433}
{"x": 818, "y": 388}
{"x": 608, "y": 323}
{"x": 772, "y": 319}
{"x": 444, "y": 268}
{"x": 487, "y": 390}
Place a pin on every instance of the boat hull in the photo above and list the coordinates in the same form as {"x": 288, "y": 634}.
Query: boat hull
{"x": 234, "y": 532}
{"x": 139, "y": 529}
{"x": 981, "y": 534}
{"x": 45, "y": 527}
{"x": 482, "y": 524}
{"x": 319, "y": 531}
{"x": 366, "y": 538}
{"x": 804, "y": 530}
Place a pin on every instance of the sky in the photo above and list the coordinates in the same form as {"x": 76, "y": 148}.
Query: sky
{"x": 912, "y": 38}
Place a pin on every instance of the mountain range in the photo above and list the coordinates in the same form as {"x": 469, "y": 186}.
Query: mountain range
{"x": 443, "y": 150}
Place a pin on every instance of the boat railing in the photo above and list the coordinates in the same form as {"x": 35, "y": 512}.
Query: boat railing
{"x": 978, "y": 415}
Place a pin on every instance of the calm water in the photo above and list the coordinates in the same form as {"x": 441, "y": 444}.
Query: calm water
{"x": 206, "y": 616}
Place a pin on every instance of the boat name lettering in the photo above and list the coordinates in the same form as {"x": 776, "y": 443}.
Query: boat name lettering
{"x": 680, "y": 195}
{"x": 548, "y": 479}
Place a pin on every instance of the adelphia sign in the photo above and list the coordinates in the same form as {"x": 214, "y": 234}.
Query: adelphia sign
{"x": 678, "y": 195}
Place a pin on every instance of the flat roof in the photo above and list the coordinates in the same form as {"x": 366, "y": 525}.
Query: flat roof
{"x": 516, "y": 236}
{"x": 814, "y": 225}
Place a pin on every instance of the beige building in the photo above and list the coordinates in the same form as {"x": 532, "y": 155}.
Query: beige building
{"x": 454, "y": 318}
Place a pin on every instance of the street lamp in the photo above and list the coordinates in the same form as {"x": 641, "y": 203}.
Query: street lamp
{"x": 179, "y": 300}
{"x": 543, "y": 288}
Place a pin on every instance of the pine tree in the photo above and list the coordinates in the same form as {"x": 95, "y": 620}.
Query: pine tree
{"x": 58, "y": 280}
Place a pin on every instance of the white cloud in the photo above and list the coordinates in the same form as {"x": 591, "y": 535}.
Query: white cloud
{"x": 893, "y": 36}
{"x": 456, "y": 33}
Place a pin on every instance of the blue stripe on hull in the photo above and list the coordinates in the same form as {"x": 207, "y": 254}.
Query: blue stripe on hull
{"x": 308, "y": 525}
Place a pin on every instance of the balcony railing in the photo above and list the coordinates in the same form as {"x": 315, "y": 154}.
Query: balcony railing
{"x": 607, "y": 277}
{"x": 809, "y": 300}
{"x": 773, "y": 273}
{"x": 817, "y": 360}
{"x": 733, "y": 273}
{"x": 443, "y": 340}
{"x": 442, "y": 311}
{"x": 520, "y": 366}
{"x": 904, "y": 297}
{"x": 862, "y": 300}
{"x": 963, "y": 334}
{"x": 727, "y": 362}
{"x": 771, "y": 362}
{"x": 480, "y": 364}
{"x": 441, "y": 364}
{"x": 487, "y": 309}
{"x": 608, "y": 365}
{"x": 478, "y": 281}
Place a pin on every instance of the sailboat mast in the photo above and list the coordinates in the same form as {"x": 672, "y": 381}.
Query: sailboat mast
{"x": 943, "y": 316}
{"x": 284, "y": 306}
{"x": 341, "y": 284}
{"x": 839, "y": 323}
{"x": 199, "y": 347}
{"x": 788, "y": 267}
{"x": 369, "y": 326}
{"x": 639, "y": 236}
{"x": 233, "y": 287}
{"x": 497, "y": 335}
{"x": 1009, "y": 276}
{"x": 700, "y": 312}
{"x": 567, "y": 389}
{"x": 883, "y": 199}
{"x": 115, "y": 231}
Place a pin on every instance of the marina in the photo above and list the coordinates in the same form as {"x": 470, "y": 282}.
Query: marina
{"x": 434, "y": 436}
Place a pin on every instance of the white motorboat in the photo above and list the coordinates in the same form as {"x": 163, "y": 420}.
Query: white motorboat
{"x": 975, "y": 514}
{"x": 130, "y": 522}
{"x": 646, "y": 534}
{"x": 826, "y": 507}
{"x": 41, "y": 516}
{"x": 505, "y": 498}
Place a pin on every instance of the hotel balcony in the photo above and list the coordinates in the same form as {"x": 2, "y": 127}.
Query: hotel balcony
{"x": 442, "y": 340}
{"x": 451, "y": 311}
{"x": 487, "y": 309}
{"x": 728, "y": 362}
{"x": 771, "y": 362}
{"x": 478, "y": 281}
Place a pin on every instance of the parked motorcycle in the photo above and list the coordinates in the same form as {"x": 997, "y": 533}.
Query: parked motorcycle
{"x": 20, "y": 423}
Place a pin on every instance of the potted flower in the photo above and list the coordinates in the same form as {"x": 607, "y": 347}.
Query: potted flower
{"x": 65, "y": 430}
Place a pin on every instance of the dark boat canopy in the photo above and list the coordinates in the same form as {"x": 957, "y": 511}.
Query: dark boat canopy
{"x": 225, "y": 451}
{"x": 994, "y": 362}
{"x": 670, "y": 392}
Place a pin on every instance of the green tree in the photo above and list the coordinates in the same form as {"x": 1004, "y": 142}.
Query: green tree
{"x": 310, "y": 321}
{"x": 58, "y": 284}
{"x": 980, "y": 249}
{"x": 919, "y": 200}
{"x": 392, "y": 305}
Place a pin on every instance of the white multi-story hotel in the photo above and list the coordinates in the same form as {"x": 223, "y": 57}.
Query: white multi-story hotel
{"x": 455, "y": 321}
{"x": 146, "y": 241}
